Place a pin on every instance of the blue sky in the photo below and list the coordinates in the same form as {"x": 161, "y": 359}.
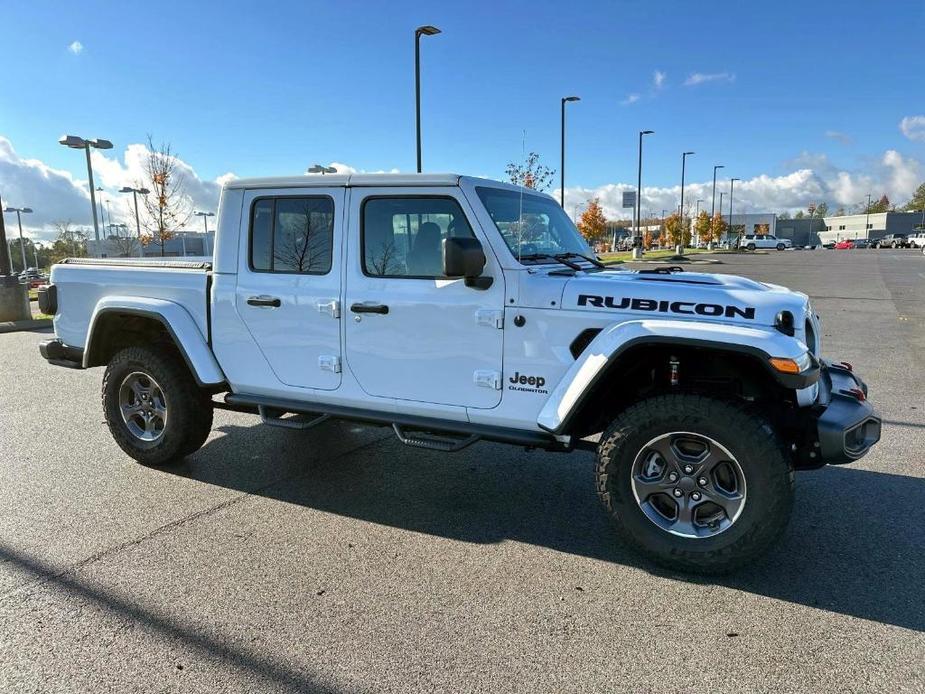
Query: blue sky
{"x": 269, "y": 89}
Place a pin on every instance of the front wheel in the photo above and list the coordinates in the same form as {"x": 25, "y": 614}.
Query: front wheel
{"x": 154, "y": 409}
{"x": 695, "y": 484}
{"x": 780, "y": 246}
{"x": 750, "y": 247}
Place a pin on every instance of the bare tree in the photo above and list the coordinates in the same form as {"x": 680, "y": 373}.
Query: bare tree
{"x": 69, "y": 243}
{"x": 530, "y": 174}
{"x": 383, "y": 261}
{"x": 124, "y": 244}
{"x": 167, "y": 208}
{"x": 303, "y": 239}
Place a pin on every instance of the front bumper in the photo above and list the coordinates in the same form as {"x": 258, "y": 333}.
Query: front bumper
{"x": 847, "y": 425}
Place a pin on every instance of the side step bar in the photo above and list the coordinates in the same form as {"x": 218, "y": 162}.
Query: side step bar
{"x": 433, "y": 434}
{"x": 276, "y": 418}
{"x": 433, "y": 442}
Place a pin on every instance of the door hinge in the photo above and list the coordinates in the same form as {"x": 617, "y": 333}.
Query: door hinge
{"x": 329, "y": 362}
{"x": 490, "y": 318}
{"x": 331, "y": 307}
{"x": 487, "y": 379}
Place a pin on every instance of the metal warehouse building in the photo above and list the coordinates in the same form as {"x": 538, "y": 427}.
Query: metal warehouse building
{"x": 878, "y": 225}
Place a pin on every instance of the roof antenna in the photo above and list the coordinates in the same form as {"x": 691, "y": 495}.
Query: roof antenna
{"x": 523, "y": 182}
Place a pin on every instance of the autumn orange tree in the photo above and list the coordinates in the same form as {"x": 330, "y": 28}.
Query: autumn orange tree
{"x": 673, "y": 231}
{"x": 718, "y": 226}
{"x": 702, "y": 227}
{"x": 593, "y": 224}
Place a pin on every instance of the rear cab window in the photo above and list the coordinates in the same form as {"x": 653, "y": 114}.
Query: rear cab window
{"x": 292, "y": 235}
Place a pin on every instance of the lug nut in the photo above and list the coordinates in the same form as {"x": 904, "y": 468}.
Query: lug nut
{"x": 688, "y": 469}
{"x": 702, "y": 481}
{"x": 672, "y": 476}
{"x": 695, "y": 496}
{"x": 678, "y": 493}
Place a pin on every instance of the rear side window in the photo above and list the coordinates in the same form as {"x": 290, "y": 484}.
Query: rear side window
{"x": 292, "y": 235}
{"x": 403, "y": 236}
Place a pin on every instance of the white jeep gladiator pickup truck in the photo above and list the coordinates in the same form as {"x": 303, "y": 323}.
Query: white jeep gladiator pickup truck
{"x": 456, "y": 309}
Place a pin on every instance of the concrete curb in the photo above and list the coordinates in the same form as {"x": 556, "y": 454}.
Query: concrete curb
{"x": 20, "y": 325}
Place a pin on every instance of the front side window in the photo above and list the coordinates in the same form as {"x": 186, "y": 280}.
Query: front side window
{"x": 403, "y": 236}
{"x": 292, "y": 235}
{"x": 534, "y": 227}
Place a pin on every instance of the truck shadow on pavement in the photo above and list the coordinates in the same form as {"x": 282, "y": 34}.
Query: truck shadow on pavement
{"x": 854, "y": 545}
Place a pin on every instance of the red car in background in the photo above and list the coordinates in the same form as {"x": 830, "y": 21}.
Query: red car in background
{"x": 845, "y": 245}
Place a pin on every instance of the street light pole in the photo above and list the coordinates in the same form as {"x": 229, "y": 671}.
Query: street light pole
{"x": 684, "y": 156}
{"x": 732, "y": 182}
{"x": 425, "y": 30}
{"x": 75, "y": 142}
{"x": 135, "y": 192}
{"x": 205, "y": 216}
{"x": 867, "y": 218}
{"x": 563, "y": 102}
{"x": 713, "y": 200}
{"x": 637, "y": 240}
{"x": 22, "y": 244}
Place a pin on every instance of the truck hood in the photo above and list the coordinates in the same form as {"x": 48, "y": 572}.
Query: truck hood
{"x": 694, "y": 295}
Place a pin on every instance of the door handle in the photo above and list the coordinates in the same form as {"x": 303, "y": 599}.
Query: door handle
{"x": 369, "y": 308}
{"x": 264, "y": 300}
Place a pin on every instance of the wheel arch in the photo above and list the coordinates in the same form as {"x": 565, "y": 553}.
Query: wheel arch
{"x": 609, "y": 371}
{"x": 123, "y": 322}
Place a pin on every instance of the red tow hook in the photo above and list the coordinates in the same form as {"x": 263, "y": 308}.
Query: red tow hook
{"x": 846, "y": 365}
{"x": 856, "y": 392}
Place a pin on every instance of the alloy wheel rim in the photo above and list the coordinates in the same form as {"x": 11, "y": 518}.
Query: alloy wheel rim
{"x": 143, "y": 406}
{"x": 688, "y": 484}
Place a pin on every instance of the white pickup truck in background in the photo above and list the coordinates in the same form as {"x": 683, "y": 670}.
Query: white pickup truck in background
{"x": 453, "y": 310}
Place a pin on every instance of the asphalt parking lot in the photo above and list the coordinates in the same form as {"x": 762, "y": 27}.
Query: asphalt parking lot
{"x": 338, "y": 560}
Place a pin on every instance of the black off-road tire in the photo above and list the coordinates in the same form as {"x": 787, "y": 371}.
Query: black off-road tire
{"x": 189, "y": 409}
{"x": 748, "y": 437}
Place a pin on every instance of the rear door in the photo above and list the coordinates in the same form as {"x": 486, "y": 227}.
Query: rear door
{"x": 411, "y": 333}
{"x": 289, "y": 284}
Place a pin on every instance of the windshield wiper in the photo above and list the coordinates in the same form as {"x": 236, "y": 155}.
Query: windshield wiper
{"x": 562, "y": 258}
{"x": 593, "y": 261}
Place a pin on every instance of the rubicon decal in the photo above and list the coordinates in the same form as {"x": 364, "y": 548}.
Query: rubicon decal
{"x": 529, "y": 384}
{"x": 691, "y": 308}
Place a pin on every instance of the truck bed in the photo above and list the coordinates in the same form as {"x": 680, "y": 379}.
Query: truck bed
{"x": 82, "y": 283}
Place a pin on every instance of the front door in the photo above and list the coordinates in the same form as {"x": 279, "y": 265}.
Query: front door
{"x": 289, "y": 289}
{"x": 412, "y": 333}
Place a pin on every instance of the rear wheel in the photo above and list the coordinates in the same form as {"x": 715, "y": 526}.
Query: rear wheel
{"x": 694, "y": 483}
{"x": 780, "y": 246}
{"x": 154, "y": 409}
{"x": 750, "y": 247}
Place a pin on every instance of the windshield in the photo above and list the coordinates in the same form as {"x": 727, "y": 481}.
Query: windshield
{"x": 532, "y": 225}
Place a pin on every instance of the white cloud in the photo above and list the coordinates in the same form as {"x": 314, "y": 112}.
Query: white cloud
{"x": 658, "y": 79}
{"x": 76, "y": 47}
{"x": 815, "y": 179}
{"x": 630, "y": 99}
{"x": 56, "y": 195}
{"x": 913, "y": 127}
{"x": 702, "y": 78}
{"x": 839, "y": 136}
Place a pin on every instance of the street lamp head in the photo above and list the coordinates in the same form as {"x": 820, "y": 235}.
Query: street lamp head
{"x": 318, "y": 168}
{"x": 99, "y": 143}
{"x": 72, "y": 141}
{"x": 570, "y": 98}
{"x": 26, "y": 210}
{"x": 719, "y": 166}
{"x": 426, "y": 30}
{"x": 687, "y": 154}
{"x": 204, "y": 214}
{"x": 126, "y": 189}
{"x": 142, "y": 191}
{"x": 646, "y": 132}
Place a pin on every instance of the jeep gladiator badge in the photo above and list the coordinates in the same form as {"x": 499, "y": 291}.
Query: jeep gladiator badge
{"x": 529, "y": 384}
{"x": 682, "y": 307}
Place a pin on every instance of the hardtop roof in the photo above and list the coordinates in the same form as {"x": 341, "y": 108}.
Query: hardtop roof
{"x": 367, "y": 180}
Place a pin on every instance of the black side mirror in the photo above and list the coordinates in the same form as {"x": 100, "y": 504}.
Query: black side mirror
{"x": 464, "y": 257}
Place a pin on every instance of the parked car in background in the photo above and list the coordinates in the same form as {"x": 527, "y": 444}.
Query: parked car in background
{"x": 917, "y": 240}
{"x": 33, "y": 278}
{"x": 752, "y": 241}
{"x": 844, "y": 245}
{"x": 862, "y": 243}
{"x": 893, "y": 241}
